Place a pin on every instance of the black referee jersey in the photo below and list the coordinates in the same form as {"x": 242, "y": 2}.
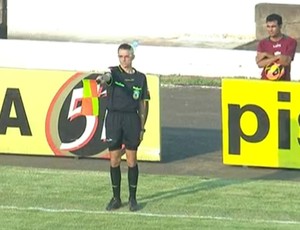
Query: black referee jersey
{"x": 126, "y": 90}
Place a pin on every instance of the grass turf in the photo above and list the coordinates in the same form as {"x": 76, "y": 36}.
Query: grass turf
{"x": 66, "y": 199}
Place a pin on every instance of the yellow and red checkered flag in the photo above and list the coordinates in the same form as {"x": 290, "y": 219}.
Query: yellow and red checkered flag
{"x": 90, "y": 102}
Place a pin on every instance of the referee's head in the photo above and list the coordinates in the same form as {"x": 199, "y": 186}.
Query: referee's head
{"x": 126, "y": 55}
{"x": 126, "y": 46}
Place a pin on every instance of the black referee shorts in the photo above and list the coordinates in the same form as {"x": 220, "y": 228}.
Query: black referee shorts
{"x": 123, "y": 128}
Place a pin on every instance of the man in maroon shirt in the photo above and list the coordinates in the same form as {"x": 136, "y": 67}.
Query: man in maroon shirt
{"x": 277, "y": 48}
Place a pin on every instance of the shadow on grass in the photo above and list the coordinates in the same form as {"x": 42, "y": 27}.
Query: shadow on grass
{"x": 211, "y": 184}
{"x": 181, "y": 143}
{"x": 201, "y": 186}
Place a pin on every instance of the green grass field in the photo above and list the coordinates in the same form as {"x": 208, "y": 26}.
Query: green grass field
{"x": 60, "y": 199}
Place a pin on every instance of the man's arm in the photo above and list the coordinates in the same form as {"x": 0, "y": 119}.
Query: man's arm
{"x": 262, "y": 55}
{"x": 263, "y": 59}
{"x": 284, "y": 60}
{"x": 143, "y": 113}
{"x": 104, "y": 78}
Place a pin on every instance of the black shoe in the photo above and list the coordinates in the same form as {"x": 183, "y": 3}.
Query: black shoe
{"x": 133, "y": 206}
{"x": 114, "y": 203}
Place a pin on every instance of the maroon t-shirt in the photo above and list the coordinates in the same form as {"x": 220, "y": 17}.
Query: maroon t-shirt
{"x": 285, "y": 46}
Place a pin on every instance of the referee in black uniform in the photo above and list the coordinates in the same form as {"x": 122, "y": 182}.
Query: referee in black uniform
{"x": 127, "y": 106}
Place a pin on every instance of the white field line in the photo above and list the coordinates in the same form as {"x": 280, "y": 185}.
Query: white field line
{"x": 156, "y": 215}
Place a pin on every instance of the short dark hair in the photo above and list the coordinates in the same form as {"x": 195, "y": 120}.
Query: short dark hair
{"x": 274, "y": 17}
{"x": 125, "y": 46}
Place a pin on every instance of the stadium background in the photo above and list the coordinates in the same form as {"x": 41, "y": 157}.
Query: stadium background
{"x": 190, "y": 31}
{"x": 79, "y": 30}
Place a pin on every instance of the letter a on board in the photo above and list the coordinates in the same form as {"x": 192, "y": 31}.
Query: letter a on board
{"x": 13, "y": 96}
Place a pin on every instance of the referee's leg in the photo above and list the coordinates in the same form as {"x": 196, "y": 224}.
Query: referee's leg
{"x": 115, "y": 176}
{"x": 114, "y": 135}
{"x": 132, "y": 129}
{"x": 133, "y": 174}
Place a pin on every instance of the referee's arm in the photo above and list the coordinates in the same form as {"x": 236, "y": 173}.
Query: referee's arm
{"x": 143, "y": 112}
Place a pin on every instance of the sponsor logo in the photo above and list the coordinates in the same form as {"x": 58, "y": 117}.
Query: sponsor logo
{"x": 75, "y": 118}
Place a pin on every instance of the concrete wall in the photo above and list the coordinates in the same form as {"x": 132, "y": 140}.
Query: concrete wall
{"x": 290, "y": 15}
{"x": 3, "y": 19}
{"x": 1, "y": 11}
{"x": 149, "y": 59}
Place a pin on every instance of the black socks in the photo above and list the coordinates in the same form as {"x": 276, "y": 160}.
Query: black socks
{"x": 133, "y": 174}
{"x": 115, "y": 176}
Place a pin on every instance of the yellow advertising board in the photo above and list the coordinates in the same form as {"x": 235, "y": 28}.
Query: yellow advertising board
{"x": 62, "y": 113}
{"x": 261, "y": 123}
